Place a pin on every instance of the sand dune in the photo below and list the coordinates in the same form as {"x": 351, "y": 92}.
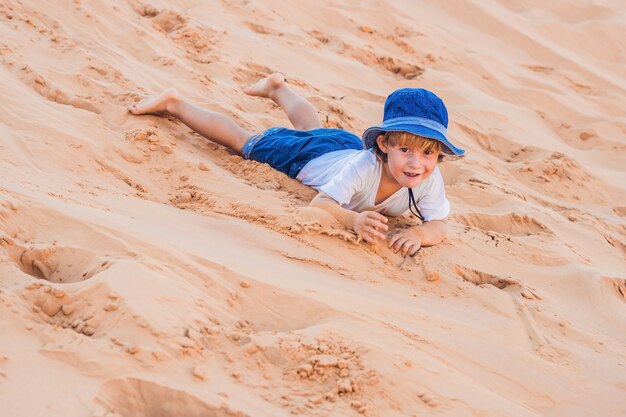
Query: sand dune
{"x": 148, "y": 272}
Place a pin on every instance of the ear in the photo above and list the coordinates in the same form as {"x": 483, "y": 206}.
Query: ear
{"x": 382, "y": 143}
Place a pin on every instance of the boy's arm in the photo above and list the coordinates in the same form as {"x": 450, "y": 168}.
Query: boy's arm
{"x": 431, "y": 232}
{"x": 367, "y": 224}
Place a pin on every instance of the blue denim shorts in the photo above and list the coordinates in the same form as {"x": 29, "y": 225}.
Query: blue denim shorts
{"x": 288, "y": 150}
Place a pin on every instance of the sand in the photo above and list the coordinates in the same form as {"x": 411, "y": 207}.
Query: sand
{"x": 147, "y": 272}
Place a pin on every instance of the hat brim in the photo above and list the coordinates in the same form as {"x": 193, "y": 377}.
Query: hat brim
{"x": 370, "y": 135}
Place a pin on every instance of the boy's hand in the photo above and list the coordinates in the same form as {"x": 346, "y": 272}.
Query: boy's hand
{"x": 405, "y": 242}
{"x": 369, "y": 226}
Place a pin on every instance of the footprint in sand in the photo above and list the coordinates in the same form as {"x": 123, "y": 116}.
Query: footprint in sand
{"x": 427, "y": 399}
{"x": 480, "y": 279}
{"x": 61, "y": 264}
{"x": 332, "y": 112}
{"x": 265, "y": 308}
{"x": 47, "y": 90}
{"x": 618, "y": 285}
{"x": 540, "y": 68}
{"x": 144, "y": 10}
{"x": 581, "y": 134}
{"x": 511, "y": 224}
{"x": 393, "y": 65}
{"x": 57, "y": 263}
{"x": 168, "y": 21}
{"x": 620, "y": 211}
{"x": 559, "y": 176}
{"x": 197, "y": 42}
{"x": 140, "y": 397}
{"x": 319, "y": 36}
{"x": 395, "y": 38}
{"x": 261, "y": 29}
{"x": 503, "y": 148}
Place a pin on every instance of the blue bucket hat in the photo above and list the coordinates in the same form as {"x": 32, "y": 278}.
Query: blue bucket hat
{"x": 416, "y": 111}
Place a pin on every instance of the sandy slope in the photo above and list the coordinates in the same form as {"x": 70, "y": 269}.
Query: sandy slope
{"x": 147, "y": 272}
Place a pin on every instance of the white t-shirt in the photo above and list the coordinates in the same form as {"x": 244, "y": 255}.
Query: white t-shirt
{"x": 352, "y": 177}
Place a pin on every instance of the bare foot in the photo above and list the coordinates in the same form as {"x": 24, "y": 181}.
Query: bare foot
{"x": 159, "y": 104}
{"x": 267, "y": 86}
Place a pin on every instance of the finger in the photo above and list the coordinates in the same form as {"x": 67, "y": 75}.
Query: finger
{"x": 372, "y": 239}
{"x": 377, "y": 224}
{"x": 406, "y": 247}
{"x": 365, "y": 236}
{"x": 393, "y": 239}
{"x": 372, "y": 236}
{"x": 403, "y": 248}
{"x": 369, "y": 233}
{"x": 398, "y": 244}
{"x": 377, "y": 216}
{"x": 377, "y": 235}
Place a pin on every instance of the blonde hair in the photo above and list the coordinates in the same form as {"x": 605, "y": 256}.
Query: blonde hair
{"x": 402, "y": 139}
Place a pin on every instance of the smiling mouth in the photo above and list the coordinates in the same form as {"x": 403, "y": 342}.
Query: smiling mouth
{"x": 412, "y": 175}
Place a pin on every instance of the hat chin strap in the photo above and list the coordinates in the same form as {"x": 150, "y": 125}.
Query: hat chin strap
{"x": 413, "y": 206}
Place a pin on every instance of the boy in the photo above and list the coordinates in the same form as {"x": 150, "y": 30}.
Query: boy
{"x": 397, "y": 171}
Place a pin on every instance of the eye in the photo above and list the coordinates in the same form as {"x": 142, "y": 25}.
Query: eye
{"x": 404, "y": 150}
{"x": 428, "y": 152}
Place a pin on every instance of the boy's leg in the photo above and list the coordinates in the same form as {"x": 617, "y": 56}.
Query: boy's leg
{"x": 213, "y": 126}
{"x": 301, "y": 113}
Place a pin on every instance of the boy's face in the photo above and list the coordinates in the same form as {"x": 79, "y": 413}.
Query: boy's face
{"x": 409, "y": 165}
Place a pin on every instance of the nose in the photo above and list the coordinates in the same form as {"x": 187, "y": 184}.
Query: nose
{"x": 416, "y": 161}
